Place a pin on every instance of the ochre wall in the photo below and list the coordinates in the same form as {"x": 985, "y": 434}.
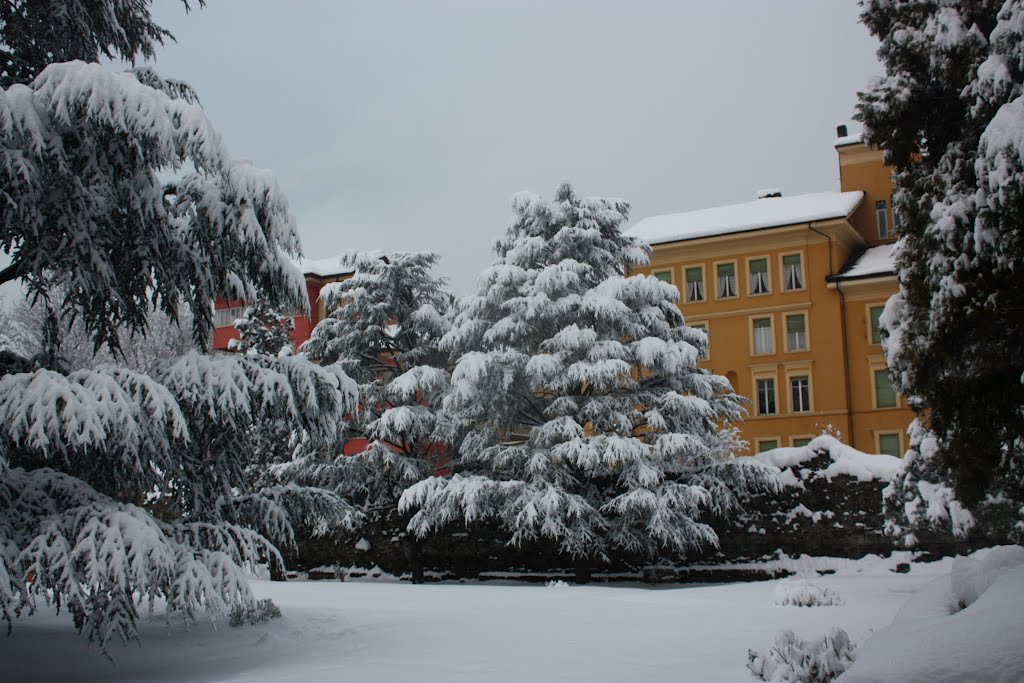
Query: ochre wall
{"x": 838, "y": 344}
{"x": 868, "y": 421}
{"x": 729, "y": 324}
{"x": 861, "y": 168}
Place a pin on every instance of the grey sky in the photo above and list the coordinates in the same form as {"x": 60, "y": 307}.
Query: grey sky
{"x": 409, "y": 125}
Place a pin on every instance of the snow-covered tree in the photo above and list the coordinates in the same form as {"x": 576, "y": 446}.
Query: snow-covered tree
{"x": 263, "y": 329}
{"x": 949, "y": 115}
{"x": 68, "y": 346}
{"x": 118, "y": 198}
{"x": 586, "y": 418}
{"x": 118, "y": 195}
{"x": 384, "y": 329}
{"x": 81, "y": 454}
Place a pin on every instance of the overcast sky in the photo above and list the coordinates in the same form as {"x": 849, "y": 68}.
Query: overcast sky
{"x": 409, "y": 125}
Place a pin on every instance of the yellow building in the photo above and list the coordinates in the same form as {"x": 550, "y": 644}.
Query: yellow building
{"x": 789, "y": 290}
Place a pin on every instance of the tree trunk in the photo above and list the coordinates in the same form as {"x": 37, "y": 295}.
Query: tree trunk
{"x": 582, "y": 569}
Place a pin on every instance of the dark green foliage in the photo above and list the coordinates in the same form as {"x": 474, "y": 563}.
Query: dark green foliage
{"x": 948, "y": 115}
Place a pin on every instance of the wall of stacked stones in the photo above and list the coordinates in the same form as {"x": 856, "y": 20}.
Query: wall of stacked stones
{"x": 837, "y": 517}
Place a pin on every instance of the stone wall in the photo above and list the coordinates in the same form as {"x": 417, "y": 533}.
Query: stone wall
{"x": 813, "y": 515}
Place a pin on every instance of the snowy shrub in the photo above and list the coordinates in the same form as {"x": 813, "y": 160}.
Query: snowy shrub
{"x": 576, "y": 400}
{"x": 803, "y": 593}
{"x": 263, "y": 610}
{"x": 557, "y": 583}
{"x": 792, "y": 660}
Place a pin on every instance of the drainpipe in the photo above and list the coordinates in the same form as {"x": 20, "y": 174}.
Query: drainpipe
{"x": 842, "y": 331}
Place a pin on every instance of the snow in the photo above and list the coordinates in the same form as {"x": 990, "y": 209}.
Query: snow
{"x": 854, "y": 139}
{"x": 386, "y": 631}
{"x": 325, "y": 267}
{"x": 761, "y": 213}
{"x": 965, "y": 626}
{"x": 845, "y": 460}
{"x": 873, "y": 262}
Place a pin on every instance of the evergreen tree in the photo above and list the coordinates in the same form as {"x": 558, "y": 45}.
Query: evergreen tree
{"x": 263, "y": 329}
{"x": 585, "y": 417}
{"x": 118, "y": 197}
{"x": 949, "y": 116}
{"x": 384, "y": 329}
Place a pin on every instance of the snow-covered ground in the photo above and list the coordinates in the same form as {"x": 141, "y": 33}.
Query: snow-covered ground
{"x": 387, "y": 631}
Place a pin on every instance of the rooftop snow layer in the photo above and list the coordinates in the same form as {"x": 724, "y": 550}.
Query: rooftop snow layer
{"x": 760, "y": 213}
{"x": 873, "y": 262}
{"x": 855, "y": 139}
{"x": 324, "y": 267}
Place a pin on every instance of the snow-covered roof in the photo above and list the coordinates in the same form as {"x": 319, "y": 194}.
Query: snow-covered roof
{"x": 874, "y": 262}
{"x": 855, "y": 139}
{"x": 325, "y": 267}
{"x": 761, "y": 213}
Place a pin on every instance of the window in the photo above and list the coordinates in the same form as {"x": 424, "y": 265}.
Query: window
{"x": 226, "y": 317}
{"x": 792, "y": 272}
{"x": 800, "y": 393}
{"x": 889, "y": 444}
{"x": 767, "y": 445}
{"x": 875, "y": 313}
{"x": 796, "y": 332}
{"x": 695, "y": 284}
{"x": 766, "y": 396}
{"x": 759, "y": 276}
{"x": 883, "y": 221}
{"x": 885, "y": 395}
{"x": 801, "y": 441}
{"x": 703, "y": 327}
{"x": 664, "y": 276}
{"x": 763, "y": 336}
{"x": 726, "y": 280}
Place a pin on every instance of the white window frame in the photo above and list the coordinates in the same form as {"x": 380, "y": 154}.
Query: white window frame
{"x": 806, "y": 334}
{"x": 801, "y": 279}
{"x": 735, "y": 280}
{"x": 873, "y": 369}
{"x": 899, "y": 436}
{"x": 882, "y": 218}
{"x": 753, "y": 282}
{"x": 790, "y": 378}
{"x": 770, "y": 336}
{"x": 774, "y": 394}
{"x": 701, "y": 289}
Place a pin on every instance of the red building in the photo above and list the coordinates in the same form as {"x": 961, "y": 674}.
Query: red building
{"x": 318, "y": 273}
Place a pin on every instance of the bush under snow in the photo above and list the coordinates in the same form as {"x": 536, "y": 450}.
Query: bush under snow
{"x": 803, "y": 593}
{"x": 792, "y": 660}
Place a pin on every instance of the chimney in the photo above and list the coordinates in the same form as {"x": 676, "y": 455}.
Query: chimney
{"x": 841, "y": 131}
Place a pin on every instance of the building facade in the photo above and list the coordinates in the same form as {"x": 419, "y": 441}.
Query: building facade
{"x": 789, "y": 290}
{"x": 318, "y": 274}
